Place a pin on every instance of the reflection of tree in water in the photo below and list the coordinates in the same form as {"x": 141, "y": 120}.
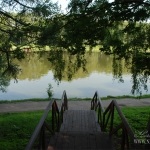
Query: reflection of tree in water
{"x": 117, "y": 69}
{"x": 129, "y": 41}
{"x": 8, "y": 69}
{"x": 140, "y": 72}
{"x": 33, "y": 66}
{"x": 139, "y": 67}
{"x": 62, "y": 65}
{"x": 4, "y": 83}
{"x": 65, "y": 67}
{"x": 4, "y": 79}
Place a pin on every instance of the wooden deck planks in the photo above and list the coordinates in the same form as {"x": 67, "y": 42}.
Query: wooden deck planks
{"x": 80, "y": 121}
{"x": 80, "y": 131}
{"x": 83, "y": 141}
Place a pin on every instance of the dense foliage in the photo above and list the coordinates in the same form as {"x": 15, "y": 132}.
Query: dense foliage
{"x": 120, "y": 28}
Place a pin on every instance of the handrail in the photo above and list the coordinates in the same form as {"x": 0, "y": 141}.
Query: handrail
{"x": 59, "y": 110}
{"x": 96, "y": 104}
{"x": 64, "y": 101}
{"x": 96, "y": 101}
{"x": 39, "y": 126}
{"x": 124, "y": 120}
{"x": 64, "y": 104}
{"x": 57, "y": 117}
{"x": 127, "y": 132}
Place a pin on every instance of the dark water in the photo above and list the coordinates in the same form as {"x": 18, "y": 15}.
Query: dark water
{"x": 37, "y": 74}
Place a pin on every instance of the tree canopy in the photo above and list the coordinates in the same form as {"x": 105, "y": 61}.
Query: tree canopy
{"x": 120, "y": 28}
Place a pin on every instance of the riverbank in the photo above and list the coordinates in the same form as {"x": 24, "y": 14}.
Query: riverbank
{"x": 76, "y": 104}
{"x": 80, "y": 99}
{"x": 16, "y": 128}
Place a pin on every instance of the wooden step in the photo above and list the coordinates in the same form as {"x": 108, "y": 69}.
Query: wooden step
{"x": 80, "y": 141}
{"x": 80, "y": 121}
{"x": 80, "y": 131}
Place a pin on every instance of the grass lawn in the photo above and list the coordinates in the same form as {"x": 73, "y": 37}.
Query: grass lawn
{"x": 17, "y": 128}
{"x": 137, "y": 117}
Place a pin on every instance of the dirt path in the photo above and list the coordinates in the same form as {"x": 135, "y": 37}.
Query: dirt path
{"x": 32, "y": 106}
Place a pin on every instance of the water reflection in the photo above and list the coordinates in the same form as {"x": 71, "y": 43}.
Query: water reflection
{"x": 81, "y": 87}
{"x": 38, "y": 72}
{"x": 34, "y": 66}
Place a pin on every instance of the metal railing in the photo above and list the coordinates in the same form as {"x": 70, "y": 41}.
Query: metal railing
{"x": 106, "y": 121}
{"x": 127, "y": 137}
{"x": 40, "y": 130}
{"x": 96, "y": 104}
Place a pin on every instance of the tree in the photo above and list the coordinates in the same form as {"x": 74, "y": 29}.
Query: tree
{"x": 20, "y": 24}
{"x": 120, "y": 28}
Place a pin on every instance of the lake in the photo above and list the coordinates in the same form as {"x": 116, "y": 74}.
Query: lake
{"x": 37, "y": 74}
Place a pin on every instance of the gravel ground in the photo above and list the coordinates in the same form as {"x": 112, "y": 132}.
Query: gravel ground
{"x": 80, "y": 105}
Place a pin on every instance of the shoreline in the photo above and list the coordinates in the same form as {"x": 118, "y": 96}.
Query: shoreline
{"x": 77, "y": 99}
{"x": 78, "y": 104}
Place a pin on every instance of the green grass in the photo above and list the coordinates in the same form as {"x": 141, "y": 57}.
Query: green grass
{"x": 125, "y": 96}
{"x": 137, "y": 117}
{"x": 17, "y": 128}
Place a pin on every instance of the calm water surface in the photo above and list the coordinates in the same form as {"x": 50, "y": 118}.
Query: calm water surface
{"x": 37, "y": 74}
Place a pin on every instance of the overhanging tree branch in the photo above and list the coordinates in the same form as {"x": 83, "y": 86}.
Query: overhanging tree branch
{"x": 16, "y": 20}
{"x": 23, "y": 5}
{"x": 140, "y": 2}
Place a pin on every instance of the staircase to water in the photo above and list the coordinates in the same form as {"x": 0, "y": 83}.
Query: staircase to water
{"x": 80, "y": 131}
{"x": 83, "y": 129}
